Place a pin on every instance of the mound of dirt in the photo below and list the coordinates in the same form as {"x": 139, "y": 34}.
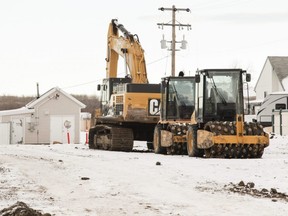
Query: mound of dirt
{"x": 21, "y": 209}
{"x": 249, "y": 188}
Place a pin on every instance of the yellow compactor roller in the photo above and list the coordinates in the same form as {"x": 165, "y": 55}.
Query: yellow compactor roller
{"x": 204, "y": 116}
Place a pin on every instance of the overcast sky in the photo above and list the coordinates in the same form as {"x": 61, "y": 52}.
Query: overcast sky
{"x": 63, "y": 42}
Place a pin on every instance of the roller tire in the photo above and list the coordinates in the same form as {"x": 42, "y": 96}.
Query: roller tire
{"x": 158, "y": 149}
{"x": 192, "y": 149}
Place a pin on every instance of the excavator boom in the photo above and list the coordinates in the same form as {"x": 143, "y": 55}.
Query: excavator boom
{"x": 128, "y": 47}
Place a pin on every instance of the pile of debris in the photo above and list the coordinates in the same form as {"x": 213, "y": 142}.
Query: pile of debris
{"x": 249, "y": 188}
{"x": 21, "y": 209}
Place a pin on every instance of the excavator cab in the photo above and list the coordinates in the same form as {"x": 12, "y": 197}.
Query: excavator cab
{"x": 108, "y": 87}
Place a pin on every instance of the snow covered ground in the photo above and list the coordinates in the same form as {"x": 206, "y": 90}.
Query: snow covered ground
{"x": 74, "y": 180}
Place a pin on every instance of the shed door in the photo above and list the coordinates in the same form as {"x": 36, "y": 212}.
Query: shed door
{"x": 17, "y": 131}
{"x": 4, "y": 133}
{"x": 61, "y": 127}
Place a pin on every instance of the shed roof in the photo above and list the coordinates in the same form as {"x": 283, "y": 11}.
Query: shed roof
{"x": 19, "y": 111}
{"x": 48, "y": 93}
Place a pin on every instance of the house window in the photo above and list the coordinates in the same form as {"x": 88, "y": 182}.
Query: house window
{"x": 265, "y": 94}
{"x": 280, "y": 106}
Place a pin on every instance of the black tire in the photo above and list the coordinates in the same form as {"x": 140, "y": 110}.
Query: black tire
{"x": 92, "y": 133}
{"x": 150, "y": 146}
{"x": 192, "y": 149}
{"x": 158, "y": 149}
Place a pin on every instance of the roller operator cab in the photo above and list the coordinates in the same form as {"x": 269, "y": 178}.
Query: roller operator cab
{"x": 219, "y": 95}
{"x": 177, "y": 106}
{"x": 177, "y": 98}
{"x": 216, "y": 126}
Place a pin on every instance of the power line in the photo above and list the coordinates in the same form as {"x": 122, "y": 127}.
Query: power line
{"x": 81, "y": 84}
{"x": 155, "y": 61}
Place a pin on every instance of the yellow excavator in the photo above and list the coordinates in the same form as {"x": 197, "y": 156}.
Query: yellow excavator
{"x": 129, "y": 108}
{"x": 204, "y": 116}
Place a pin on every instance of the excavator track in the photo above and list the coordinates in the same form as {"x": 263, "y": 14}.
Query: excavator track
{"x": 235, "y": 150}
{"x": 112, "y": 138}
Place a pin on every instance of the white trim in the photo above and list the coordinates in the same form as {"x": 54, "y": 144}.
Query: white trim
{"x": 22, "y": 110}
{"x": 255, "y": 88}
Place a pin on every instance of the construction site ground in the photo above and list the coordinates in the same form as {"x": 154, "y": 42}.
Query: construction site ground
{"x": 71, "y": 179}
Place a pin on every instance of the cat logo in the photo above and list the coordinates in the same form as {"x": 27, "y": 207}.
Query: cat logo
{"x": 154, "y": 107}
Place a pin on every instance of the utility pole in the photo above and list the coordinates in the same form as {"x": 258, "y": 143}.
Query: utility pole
{"x": 173, "y": 25}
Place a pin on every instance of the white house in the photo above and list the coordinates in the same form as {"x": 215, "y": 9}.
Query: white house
{"x": 273, "y": 77}
{"x": 54, "y": 117}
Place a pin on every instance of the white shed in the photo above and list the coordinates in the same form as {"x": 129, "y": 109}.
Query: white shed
{"x": 54, "y": 117}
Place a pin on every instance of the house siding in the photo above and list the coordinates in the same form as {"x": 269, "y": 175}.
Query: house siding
{"x": 264, "y": 82}
{"x": 4, "y": 133}
{"x": 276, "y": 84}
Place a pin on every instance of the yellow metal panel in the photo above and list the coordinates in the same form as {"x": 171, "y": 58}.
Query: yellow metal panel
{"x": 241, "y": 140}
{"x": 179, "y": 139}
{"x": 193, "y": 118}
{"x": 136, "y": 106}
